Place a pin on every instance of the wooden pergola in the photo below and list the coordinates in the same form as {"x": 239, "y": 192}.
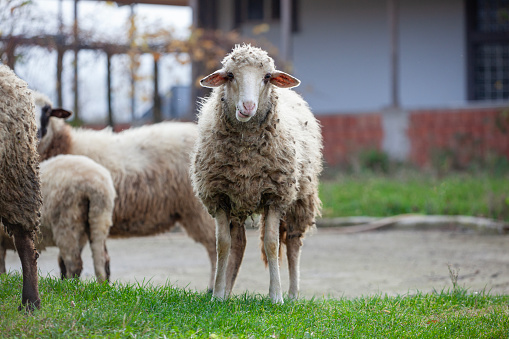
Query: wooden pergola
{"x": 63, "y": 43}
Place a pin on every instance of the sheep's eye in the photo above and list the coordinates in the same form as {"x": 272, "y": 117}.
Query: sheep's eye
{"x": 229, "y": 75}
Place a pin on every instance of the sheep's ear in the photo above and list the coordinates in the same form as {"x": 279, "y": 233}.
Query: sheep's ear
{"x": 60, "y": 113}
{"x": 215, "y": 79}
{"x": 284, "y": 80}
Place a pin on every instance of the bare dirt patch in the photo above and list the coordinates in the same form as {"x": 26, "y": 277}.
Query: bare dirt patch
{"x": 386, "y": 262}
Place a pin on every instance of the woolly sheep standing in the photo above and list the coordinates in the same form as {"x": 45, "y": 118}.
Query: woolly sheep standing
{"x": 150, "y": 170}
{"x": 20, "y": 195}
{"x": 259, "y": 152}
{"x": 78, "y": 200}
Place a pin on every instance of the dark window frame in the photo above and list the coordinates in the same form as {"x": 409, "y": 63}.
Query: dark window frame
{"x": 273, "y": 15}
{"x": 475, "y": 38}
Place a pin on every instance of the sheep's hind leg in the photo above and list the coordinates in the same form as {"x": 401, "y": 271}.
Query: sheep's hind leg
{"x": 223, "y": 244}
{"x": 3, "y": 251}
{"x": 201, "y": 228}
{"x": 107, "y": 264}
{"x": 238, "y": 247}
{"x": 98, "y": 237}
{"x": 271, "y": 246}
{"x": 28, "y": 255}
{"x": 69, "y": 257}
{"x": 293, "y": 246}
{"x": 63, "y": 269}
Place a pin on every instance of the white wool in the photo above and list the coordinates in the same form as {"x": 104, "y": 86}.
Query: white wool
{"x": 259, "y": 152}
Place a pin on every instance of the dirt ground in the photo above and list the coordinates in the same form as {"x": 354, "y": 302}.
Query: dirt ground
{"x": 385, "y": 261}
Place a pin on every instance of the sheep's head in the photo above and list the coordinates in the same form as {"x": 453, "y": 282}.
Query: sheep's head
{"x": 248, "y": 75}
{"x": 51, "y": 122}
{"x": 46, "y": 113}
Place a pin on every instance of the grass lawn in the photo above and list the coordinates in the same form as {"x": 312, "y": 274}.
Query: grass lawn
{"x": 85, "y": 309}
{"x": 377, "y": 195}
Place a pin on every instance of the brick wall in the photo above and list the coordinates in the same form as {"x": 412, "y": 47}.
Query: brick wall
{"x": 344, "y": 136}
{"x": 459, "y": 136}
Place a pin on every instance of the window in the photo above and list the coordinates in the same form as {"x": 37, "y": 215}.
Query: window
{"x": 255, "y": 10}
{"x": 488, "y": 49}
{"x": 262, "y": 11}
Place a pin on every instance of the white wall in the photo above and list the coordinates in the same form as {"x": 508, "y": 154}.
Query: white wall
{"x": 341, "y": 55}
{"x": 432, "y": 57}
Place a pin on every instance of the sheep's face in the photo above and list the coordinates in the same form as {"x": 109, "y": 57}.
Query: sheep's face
{"x": 248, "y": 87}
{"x": 48, "y": 127}
{"x": 46, "y": 113}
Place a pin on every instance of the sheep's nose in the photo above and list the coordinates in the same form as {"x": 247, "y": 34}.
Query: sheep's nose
{"x": 249, "y": 106}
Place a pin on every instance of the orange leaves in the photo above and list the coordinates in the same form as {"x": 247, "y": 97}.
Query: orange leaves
{"x": 261, "y": 28}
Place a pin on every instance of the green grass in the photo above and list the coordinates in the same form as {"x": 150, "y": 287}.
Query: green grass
{"x": 387, "y": 195}
{"x": 85, "y": 309}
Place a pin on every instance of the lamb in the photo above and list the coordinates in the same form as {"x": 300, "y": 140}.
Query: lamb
{"x": 150, "y": 170}
{"x": 20, "y": 194}
{"x": 259, "y": 152}
{"x": 78, "y": 199}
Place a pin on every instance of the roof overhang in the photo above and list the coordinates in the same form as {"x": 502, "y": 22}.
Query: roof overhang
{"x": 152, "y": 2}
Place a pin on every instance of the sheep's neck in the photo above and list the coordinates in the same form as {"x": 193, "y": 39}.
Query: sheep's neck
{"x": 60, "y": 144}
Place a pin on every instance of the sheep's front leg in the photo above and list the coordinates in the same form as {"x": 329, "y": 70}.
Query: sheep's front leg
{"x": 238, "y": 236}
{"x": 293, "y": 245}
{"x": 28, "y": 255}
{"x": 271, "y": 245}
{"x": 223, "y": 243}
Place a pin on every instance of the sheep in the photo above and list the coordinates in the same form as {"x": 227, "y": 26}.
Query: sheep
{"x": 20, "y": 194}
{"x": 259, "y": 152}
{"x": 78, "y": 199}
{"x": 150, "y": 170}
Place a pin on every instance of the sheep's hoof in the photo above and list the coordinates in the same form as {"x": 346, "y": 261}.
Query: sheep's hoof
{"x": 293, "y": 297}
{"x": 218, "y": 298}
{"x": 29, "y": 307}
{"x": 278, "y": 300}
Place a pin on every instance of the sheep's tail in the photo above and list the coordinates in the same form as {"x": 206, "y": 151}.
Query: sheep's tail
{"x": 282, "y": 239}
{"x": 41, "y": 99}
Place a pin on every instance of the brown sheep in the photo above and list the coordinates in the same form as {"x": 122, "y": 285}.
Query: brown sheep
{"x": 20, "y": 194}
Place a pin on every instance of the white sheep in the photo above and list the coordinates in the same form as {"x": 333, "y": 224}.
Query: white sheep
{"x": 20, "y": 196}
{"x": 78, "y": 199}
{"x": 150, "y": 170}
{"x": 259, "y": 152}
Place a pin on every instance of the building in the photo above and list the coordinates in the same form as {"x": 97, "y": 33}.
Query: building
{"x": 416, "y": 79}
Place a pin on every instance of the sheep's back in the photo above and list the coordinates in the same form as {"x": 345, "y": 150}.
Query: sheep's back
{"x": 75, "y": 190}
{"x": 149, "y": 166}
{"x": 20, "y": 198}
